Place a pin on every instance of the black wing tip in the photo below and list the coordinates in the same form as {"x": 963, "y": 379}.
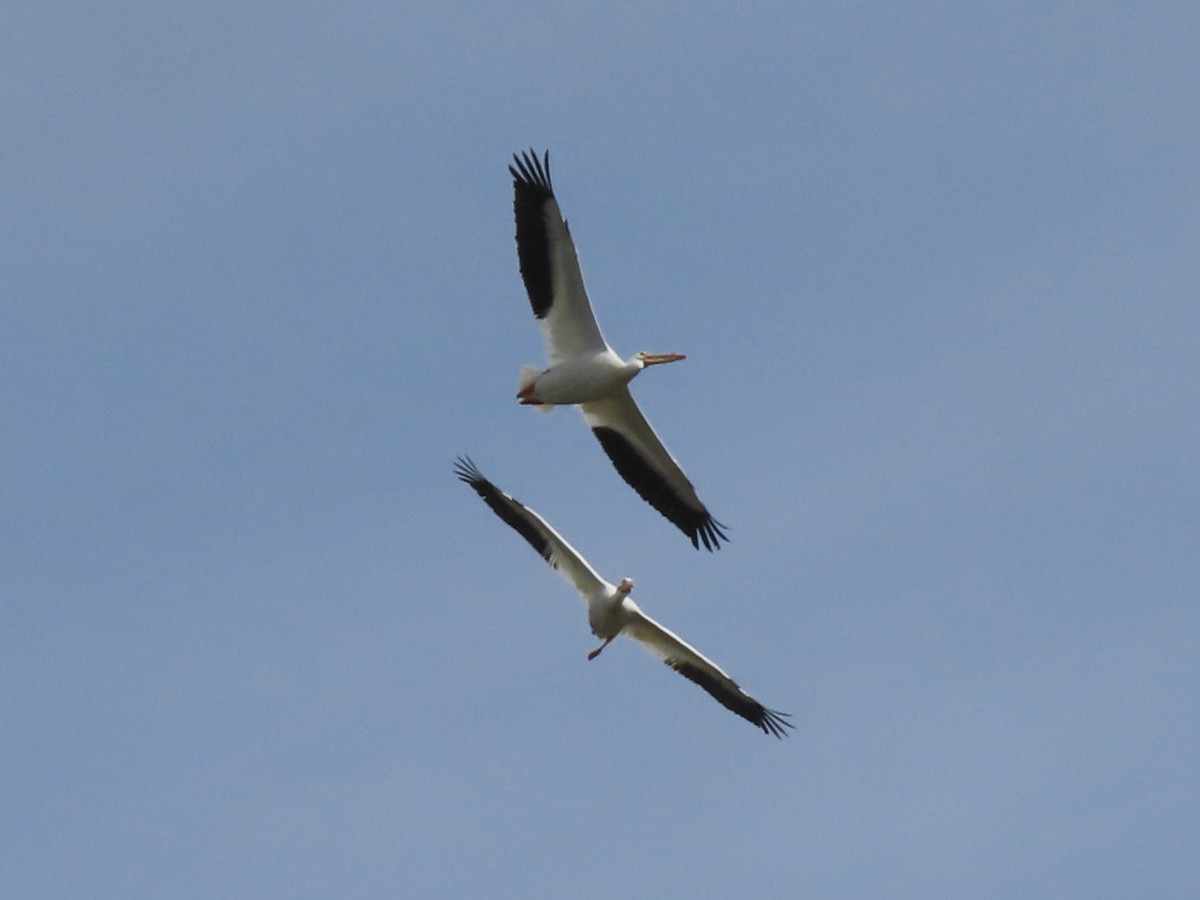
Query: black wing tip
{"x": 532, "y": 194}
{"x": 468, "y": 472}
{"x": 530, "y": 170}
{"x": 710, "y": 532}
{"x": 697, "y": 524}
{"x": 726, "y": 692}
{"x": 773, "y": 722}
{"x": 510, "y": 510}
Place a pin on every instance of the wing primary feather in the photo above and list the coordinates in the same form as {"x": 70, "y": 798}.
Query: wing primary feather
{"x": 531, "y": 192}
{"x": 733, "y": 698}
{"x": 507, "y": 508}
{"x": 699, "y": 669}
{"x": 697, "y": 524}
{"x": 540, "y": 535}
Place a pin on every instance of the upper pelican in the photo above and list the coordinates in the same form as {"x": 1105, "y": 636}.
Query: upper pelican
{"x": 584, "y": 369}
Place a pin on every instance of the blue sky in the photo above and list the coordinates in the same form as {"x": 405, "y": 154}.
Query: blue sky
{"x": 935, "y": 269}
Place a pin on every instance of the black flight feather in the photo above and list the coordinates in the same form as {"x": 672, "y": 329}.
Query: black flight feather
{"x": 531, "y": 191}
{"x": 770, "y": 721}
{"x": 499, "y": 502}
{"x": 697, "y": 524}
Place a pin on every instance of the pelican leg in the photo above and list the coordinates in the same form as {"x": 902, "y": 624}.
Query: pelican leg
{"x": 596, "y": 652}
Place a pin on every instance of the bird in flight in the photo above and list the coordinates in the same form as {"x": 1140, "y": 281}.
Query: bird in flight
{"x": 611, "y": 611}
{"x": 584, "y": 370}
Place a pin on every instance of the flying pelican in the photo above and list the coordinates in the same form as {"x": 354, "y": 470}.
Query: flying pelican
{"x": 611, "y": 611}
{"x": 584, "y": 369}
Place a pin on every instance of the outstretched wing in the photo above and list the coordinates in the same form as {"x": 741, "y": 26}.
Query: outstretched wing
{"x": 536, "y": 530}
{"x": 642, "y": 460}
{"x": 550, "y": 265}
{"x": 695, "y": 666}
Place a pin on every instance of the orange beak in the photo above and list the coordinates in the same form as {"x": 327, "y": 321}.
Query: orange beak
{"x": 653, "y": 359}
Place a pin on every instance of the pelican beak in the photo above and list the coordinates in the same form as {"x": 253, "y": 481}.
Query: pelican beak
{"x": 653, "y": 359}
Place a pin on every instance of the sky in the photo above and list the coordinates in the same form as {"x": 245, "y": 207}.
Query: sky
{"x": 934, "y": 267}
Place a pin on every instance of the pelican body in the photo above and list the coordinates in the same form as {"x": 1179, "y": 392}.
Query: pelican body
{"x": 585, "y": 379}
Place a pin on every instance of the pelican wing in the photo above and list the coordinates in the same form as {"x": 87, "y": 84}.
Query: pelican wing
{"x": 642, "y": 460}
{"x": 694, "y": 666}
{"x": 536, "y": 530}
{"x": 549, "y": 264}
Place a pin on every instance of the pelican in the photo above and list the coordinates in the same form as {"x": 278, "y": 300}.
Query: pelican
{"x": 584, "y": 370}
{"x": 611, "y": 611}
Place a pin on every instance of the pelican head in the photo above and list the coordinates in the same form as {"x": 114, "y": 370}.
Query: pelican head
{"x": 625, "y": 586}
{"x": 654, "y": 359}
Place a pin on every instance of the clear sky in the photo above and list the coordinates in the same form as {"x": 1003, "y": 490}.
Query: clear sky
{"x": 935, "y": 267}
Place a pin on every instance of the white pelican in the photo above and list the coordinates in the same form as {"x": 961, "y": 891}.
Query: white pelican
{"x": 611, "y": 611}
{"x": 584, "y": 370}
